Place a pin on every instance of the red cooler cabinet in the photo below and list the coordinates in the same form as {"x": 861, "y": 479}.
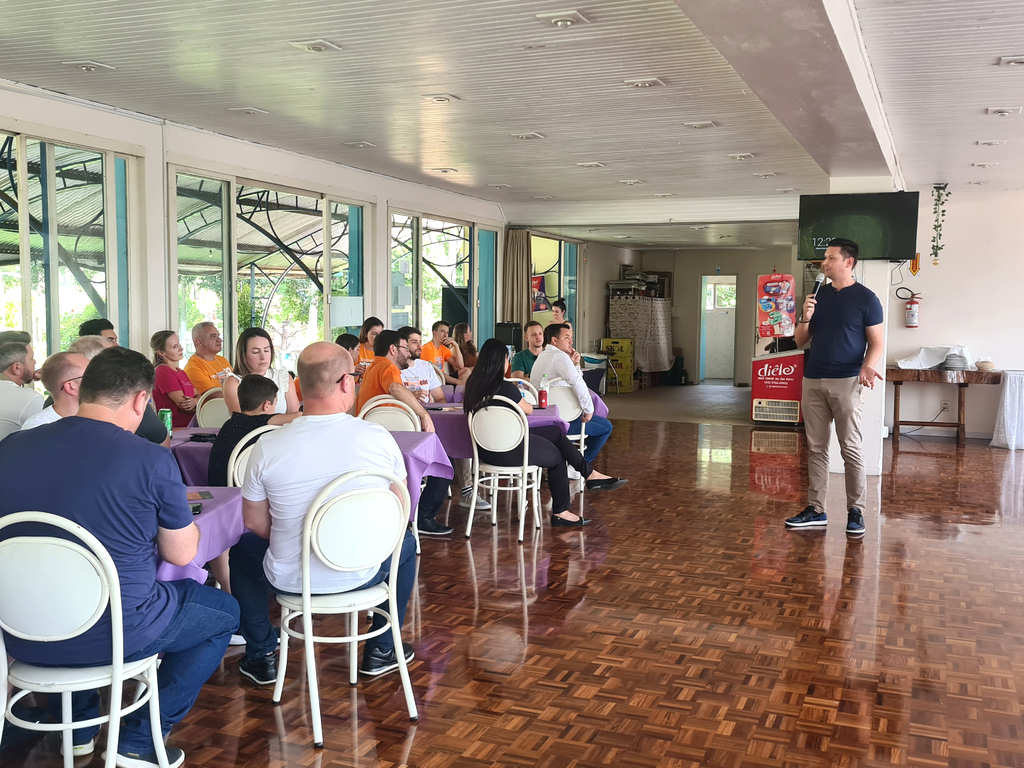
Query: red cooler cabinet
{"x": 776, "y": 385}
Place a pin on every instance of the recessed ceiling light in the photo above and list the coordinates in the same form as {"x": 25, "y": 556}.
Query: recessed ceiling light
{"x": 767, "y": 175}
{"x": 500, "y": 186}
{"x": 591, "y": 165}
{"x": 644, "y": 82}
{"x": 621, "y": 237}
{"x": 978, "y": 183}
{"x": 543, "y": 197}
{"x": 741, "y": 156}
{"x": 248, "y": 110}
{"x": 563, "y": 19}
{"x": 698, "y": 228}
{"x": 445, "y": 170}
{"x": 990, "y": 142}
{"x": 699, "y": 125}
{"x": 88, "y": 65}
{"x": 630, "y": 182}
{"x": 786, "y": 190}
{"x": 440, "y": 98}
{"x": 360, "y": 144}
{"x": 592, "y": 229}
{"x": 1003, "y": 111}
{"x": 315, "y": 46}
{"x": 664, "y": 194}
{"x": 984, "y": 165}
{"x": 527, "y": 136}
{"x": 532, "y": 47}
{"x": 1011, "y": 61}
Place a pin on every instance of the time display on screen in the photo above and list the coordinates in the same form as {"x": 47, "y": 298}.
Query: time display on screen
{"x": 821, "y": 242}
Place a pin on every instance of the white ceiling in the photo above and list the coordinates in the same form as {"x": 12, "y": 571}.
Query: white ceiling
{"x": 935, "y": 62}
{"x": 743, "y": 234}
{"x": 189, "y": 61}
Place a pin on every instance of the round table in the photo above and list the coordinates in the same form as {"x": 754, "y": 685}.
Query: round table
{"x": 220, "y": 525}
{"x": 452, "y": 427}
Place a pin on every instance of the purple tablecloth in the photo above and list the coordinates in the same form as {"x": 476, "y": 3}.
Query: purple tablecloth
{"x": 192, "y": 458}
{"x": 422, "y": 451}
{"x": 424, "y": 455}
{"x": 452, "y": 428}
{"x": 600, "y": 409}
{"x": 221, "y": 527}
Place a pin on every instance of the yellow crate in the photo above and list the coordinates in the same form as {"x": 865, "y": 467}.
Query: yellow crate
{"x": 625, "y": 364}
{"x": 617, "y": 346}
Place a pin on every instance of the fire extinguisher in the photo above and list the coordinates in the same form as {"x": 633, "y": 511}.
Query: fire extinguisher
{"x": 913, "y": 307}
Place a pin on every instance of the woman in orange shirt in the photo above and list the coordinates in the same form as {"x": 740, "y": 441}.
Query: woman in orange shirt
{"x": 367, "y": 334}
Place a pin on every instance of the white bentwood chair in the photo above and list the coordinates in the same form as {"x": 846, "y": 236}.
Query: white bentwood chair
{"x": 238, "y": 462}
{"x": 390, "y": 413}
{"x": 57, "y": 589}
{"x": 499, "y": 429}
{"x": 569, "y": 409}
{"x": 353, "y": 531}
{"x": 529, "y": 391}
{"x": 212, "y": 411}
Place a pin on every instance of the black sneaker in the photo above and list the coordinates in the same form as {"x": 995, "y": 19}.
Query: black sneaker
{"x": 262, "y": 671}
{"x": 809, "y": 518}
{"x": 428, "y": 526}
{"x": 175, "y": 757}
{"x": 608, "y": 484}
{"x": 855, "y": 523}
{"x": 377, "y": 662}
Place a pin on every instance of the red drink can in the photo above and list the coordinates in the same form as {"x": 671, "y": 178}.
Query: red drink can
{"x": 542, "y": 399}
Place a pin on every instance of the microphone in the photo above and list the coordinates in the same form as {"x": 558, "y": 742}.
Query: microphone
{"x": 818, "y": 281}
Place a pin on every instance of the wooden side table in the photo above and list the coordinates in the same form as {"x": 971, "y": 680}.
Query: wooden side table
{"x": 962, "y": 379}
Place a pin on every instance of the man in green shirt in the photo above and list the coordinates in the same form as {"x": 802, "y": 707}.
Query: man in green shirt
{"x": 522, "y": 363}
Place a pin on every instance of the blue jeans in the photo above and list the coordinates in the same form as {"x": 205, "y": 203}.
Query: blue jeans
{"x": 193, "y": 645}
{"x": 599, "y": 429}
{"x": 250, "y": 587}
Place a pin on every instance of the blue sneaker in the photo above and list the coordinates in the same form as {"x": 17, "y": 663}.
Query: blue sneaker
{"x": 854, "y": 523}
{"x": 809, "y": 518}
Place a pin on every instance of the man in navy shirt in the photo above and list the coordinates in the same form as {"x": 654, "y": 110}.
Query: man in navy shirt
{"x": 127, "y": 491}
{"x": 844, "y": 325}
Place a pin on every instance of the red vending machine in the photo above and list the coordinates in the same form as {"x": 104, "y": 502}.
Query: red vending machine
{"x": 776, "y": 386}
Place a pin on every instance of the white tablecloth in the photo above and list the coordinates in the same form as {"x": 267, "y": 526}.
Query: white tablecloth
{"x": 1009, "y": 431}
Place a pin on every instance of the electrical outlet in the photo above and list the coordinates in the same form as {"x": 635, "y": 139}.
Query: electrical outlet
{"x": 945, "y": 405}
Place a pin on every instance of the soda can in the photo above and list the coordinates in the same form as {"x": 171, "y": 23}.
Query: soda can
{"x": 165, "y": 417}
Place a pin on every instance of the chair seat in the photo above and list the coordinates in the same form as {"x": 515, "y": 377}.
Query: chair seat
{"x": 342, "y": 602}
{"x": 32, "y": 678}
{"x": 500, "y": 470}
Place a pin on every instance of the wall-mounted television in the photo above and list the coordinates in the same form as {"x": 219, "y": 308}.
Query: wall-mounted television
{"x": 884, "y": 224}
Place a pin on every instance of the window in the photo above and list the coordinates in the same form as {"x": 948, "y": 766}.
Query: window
{"x": 720, "y": 296}
{"x": 546, "y": 255}
{"x": 71, "y": 205}
{"x": 346, "y": 233}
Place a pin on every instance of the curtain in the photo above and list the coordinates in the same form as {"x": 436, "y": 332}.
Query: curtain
{"x": 516, "y": 285}
{"x": 1009, "y": 431}
{"x": 649, "y": 323}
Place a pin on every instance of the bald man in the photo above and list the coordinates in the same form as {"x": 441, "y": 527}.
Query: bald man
{"x": 287, "y": 469}
{"x": 61, "y": 375}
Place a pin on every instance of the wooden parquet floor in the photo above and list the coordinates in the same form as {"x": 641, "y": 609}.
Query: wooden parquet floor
{"x": 687, "y": 627}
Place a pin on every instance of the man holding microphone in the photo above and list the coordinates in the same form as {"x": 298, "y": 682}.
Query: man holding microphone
{"x": 843, "y": 323}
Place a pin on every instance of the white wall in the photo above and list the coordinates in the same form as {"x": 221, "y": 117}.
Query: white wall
{"x": 688, "y": 266}
{"x": 598, "y": 264}
{"x": 973, "y": 297}
{"x": 50, "y": 116}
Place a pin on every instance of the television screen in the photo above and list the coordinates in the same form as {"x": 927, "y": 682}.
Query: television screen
{"x": 884, "y": 225}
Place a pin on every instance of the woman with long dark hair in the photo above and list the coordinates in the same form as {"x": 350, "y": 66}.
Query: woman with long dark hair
{"x": 549, "y": 447}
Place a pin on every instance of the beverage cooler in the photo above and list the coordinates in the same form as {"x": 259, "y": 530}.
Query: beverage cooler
{"x": 776, "y": 386}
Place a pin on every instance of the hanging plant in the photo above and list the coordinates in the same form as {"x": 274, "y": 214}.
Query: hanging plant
{"x": 940, "y": 194}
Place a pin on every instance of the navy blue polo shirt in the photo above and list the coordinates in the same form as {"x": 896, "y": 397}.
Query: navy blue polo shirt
{"x": 838, "y": 337}
{"x": 122, "y": 489}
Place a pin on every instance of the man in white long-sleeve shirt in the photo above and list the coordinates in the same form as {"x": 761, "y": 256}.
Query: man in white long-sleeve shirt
{"x": 556, "y": 361}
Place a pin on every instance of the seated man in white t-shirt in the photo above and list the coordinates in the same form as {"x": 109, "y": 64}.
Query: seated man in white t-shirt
{"x": 18, "y": 400}
{"x": 61, "y": 374}
{"x": 421, "y": 377}
{"x": 287, "y": 469}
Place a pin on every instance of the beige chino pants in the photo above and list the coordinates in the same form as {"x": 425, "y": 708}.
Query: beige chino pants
{"x": 842, "y": 401}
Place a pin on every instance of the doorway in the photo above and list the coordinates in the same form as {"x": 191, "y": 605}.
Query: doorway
{"x": 718, "y": 330}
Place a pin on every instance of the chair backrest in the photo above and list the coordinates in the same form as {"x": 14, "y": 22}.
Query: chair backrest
{"x": 357, "y": 529}
{"x": 529, "y": 391}
{"x": 564, "y": 397}
{"x": 212, "y": 411}
{"x": 392, "y": 414}
{"x": 498, "y": 429}
{"x": 238, "y": 462}
{"x": 56, "y": 589}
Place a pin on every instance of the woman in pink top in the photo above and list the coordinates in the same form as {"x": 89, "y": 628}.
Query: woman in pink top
{"x": 173, "y": 390}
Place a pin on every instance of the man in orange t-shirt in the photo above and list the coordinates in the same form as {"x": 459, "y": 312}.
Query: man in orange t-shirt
{"x": 384, "y": 376}
{"x": 442, "y": 348}
{"x": 206, "y": 369}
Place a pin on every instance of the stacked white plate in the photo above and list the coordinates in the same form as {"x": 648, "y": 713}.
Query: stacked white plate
{"x": 955, "y": 363}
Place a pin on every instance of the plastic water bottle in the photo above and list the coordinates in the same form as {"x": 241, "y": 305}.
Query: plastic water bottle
{"x": 542, "y": 392}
